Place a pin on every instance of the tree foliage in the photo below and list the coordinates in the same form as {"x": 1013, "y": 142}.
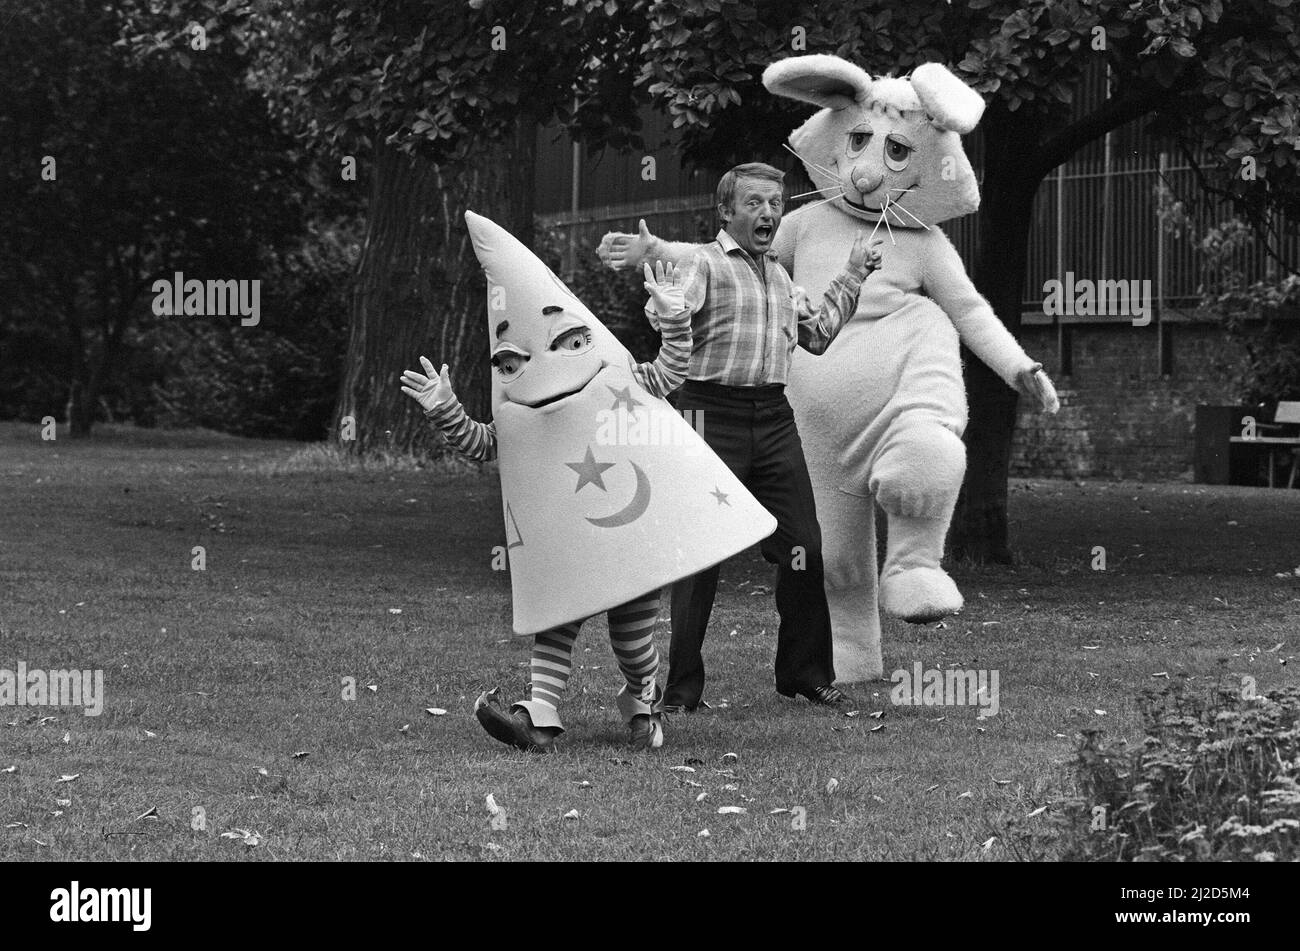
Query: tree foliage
{"x": 121, "y": 167}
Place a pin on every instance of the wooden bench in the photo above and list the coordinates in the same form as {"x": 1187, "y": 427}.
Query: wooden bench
{"x": 1287, "y": 415}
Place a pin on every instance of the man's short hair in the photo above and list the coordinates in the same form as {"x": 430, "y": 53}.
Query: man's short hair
{"x": 728, "y": 182}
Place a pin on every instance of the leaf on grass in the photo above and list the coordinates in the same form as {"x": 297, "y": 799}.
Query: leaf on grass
{"x": 435, "y": 711}
{"x": 1001, "y": 782}
{"x": 261, "y": 771}
{"x": 491, "y": 803}
{"x": 583, "y": 784}
{"x": 1274, "y": 650}
{"x": 730, "y": 756}
{"x": 731, "y": 810}
{"x": 56, "y": 813}
{"x": 67, "y": 736}
{"x": 682, "y": 769}
{"x": 63, "y": 802}
{"x": 1039, "y": 811}
{"x": 150, "y": 813}
{"x": 16, "y": 825}
{"x": 1092, "y": 647}
{"x": 571, "y": 814}
{"x": 394, "y": 610}
{"x": 832, "y": 785}
{"x": 731, "y": 787}
{"x": 932, "y": 788}
{"x": 988, "y": 844}
{"x": 966, "y": 795}
{"x": 150, "y": 734}
{"x": 44, "y": 720}
{"x": 937, "y": 719}
{"x": 693, "y": 784}
{"x": 877, "y": 798}
{"x": 851, "y": 713}
{"x": 877, "y": 714}
{"x": 701, "y": 797}
{"x": 301, "y": 754}
{"x": 1161, "y": 673}
{"x": 373, "y": 688}
{"x": 702, "y": 834}
{"x": 9, "y": 769}
{"x": 778, "y": 811}
{"x": 404, "y": 728}
{"x": 68, "y": 777}
{"x": 1099, "y": 712}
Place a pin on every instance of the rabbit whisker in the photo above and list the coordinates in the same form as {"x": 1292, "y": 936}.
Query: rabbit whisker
{"x": 820, "y": 168}
{"x": 822, "y": 202}
{"x": 818, "y": 191}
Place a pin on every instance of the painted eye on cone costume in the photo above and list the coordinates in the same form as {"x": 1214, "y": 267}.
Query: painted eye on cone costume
{"x": 607, "y": 494}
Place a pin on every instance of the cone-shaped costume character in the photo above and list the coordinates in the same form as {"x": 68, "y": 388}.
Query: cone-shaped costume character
{"x": 608, "y": 492}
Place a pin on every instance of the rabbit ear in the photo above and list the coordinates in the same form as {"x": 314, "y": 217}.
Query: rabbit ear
{"x": 818, "y": 78}
{"x": 950, "y": 102}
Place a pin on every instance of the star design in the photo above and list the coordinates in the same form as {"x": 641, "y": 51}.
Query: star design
{"x": 720, "y": 496}
{"x": 625, "y": 397}
{"x": 589, "y": 471}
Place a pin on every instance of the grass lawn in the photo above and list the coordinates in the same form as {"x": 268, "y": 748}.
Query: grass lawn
{"x": 215, "y": 679}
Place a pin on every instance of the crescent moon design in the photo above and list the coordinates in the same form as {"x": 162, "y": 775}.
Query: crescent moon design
{"x": 634, "y": 509}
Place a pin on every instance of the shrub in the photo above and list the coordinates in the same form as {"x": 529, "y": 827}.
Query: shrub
{"x": 280, "y": 378}
{"x": 1215, "y": 779}
{"x": 1261, "y": 316}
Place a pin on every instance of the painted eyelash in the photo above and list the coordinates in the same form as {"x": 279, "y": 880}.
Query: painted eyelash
{"x": 586, "y": 336}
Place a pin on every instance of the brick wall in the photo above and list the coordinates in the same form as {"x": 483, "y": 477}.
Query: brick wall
{"x": 1120, "y": 417}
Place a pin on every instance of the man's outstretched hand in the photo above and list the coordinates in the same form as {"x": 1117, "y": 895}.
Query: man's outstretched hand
{"x": 429, "y": 391}
{"x": 619, "y": 250}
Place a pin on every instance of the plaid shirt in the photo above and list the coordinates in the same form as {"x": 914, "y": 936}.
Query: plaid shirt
{"x": 748, "y": 316}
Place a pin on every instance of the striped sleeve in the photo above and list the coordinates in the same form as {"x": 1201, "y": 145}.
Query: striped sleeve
{"x": 477, "y": 441}
{"x": 667, "y": 370}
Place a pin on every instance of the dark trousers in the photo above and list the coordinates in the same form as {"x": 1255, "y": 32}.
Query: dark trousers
{"x": 752, "y": 430}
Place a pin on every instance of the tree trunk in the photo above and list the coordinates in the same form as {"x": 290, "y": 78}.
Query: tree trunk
{"x": 80, "y": 412}
{"x": 979, "y": 529}
{"x": 420, "y": 290}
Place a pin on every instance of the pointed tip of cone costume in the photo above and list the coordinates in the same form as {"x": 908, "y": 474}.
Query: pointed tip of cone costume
{"x": 608, "y": 494}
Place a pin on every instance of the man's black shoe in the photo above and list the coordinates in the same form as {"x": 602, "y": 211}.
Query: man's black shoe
{"x": 824, "y": 696}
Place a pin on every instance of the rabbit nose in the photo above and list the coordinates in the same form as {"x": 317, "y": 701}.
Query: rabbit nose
{"x": 866, "y": 183}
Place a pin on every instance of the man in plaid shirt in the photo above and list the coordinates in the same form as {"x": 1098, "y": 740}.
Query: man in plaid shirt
{"x": 747, "y": 319}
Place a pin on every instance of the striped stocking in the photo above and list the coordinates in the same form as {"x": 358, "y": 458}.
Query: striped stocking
{"x": 631, "y": 635}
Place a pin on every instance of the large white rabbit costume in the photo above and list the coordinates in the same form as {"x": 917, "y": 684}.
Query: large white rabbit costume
{"x": 882, "y": 412}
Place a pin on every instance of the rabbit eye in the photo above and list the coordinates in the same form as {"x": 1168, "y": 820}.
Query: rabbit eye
{"x": 897, "y": 154}
{"x": 858, "y": 141}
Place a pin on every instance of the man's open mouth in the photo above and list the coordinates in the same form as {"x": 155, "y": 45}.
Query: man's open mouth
{"x": 763, "y": 231}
